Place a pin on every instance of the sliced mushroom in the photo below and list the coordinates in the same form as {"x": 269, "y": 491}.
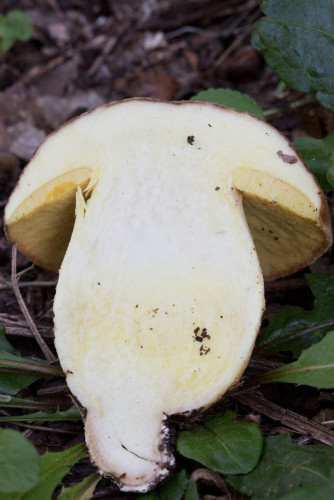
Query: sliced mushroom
{"x": 160, "y": 291}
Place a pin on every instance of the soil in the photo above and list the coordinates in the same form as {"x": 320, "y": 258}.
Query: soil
{"x": 83, "y": 54}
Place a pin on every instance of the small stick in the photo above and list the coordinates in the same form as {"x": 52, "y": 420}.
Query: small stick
{"x": 39, "y": 339}
{"x": 42, "y": 428}
{"x": 52, "y": 390}
{"x": 302, "y": 425}
{"x": 25, "y": 332}
{"x": 76, "y": 404}
{"x": 30, "y": 284}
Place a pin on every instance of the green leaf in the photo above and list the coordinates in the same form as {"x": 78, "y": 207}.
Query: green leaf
{"x": 33, "y": 365}
{"x": 16, "y": 25}
{"x": 12, "y": 402}
{"x": 54, "y": 467}
{"x": 315, "y": 367}
{"x": 318, "y": 155}
{"x": 19, "y": 463}
{"x": 151, "y": 495}
{"x": 323, "y": 491}
{"x": 42, "y": 416}
{"x": 223, "y": 444}
{"x": 191, "y": 493}
{"x": 32, "y": 368}
{"x": 231, "y": 99}
{"x": 284, "y": 467}
{"x": 19, "y": 25}
{"x": 4, "y": 344}
{"x": 12, "y": 383}
{"x": 81, "y": 491}
{"x": 294, "y": 329}
{"x": 297, "y": 40}
{"x": 173, "y": 489}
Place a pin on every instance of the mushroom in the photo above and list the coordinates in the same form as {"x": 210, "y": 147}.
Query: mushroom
{"x": 162, "y": 219}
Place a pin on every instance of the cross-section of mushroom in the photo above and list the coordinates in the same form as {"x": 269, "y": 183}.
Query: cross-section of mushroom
{"x": 177, "y": 208}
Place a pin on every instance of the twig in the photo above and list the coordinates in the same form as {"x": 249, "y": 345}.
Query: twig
{"x": 231, "y": 48}
{"x": 54, "y": 5}
{"x": 52, "y": 390}
{"x": 328, "y": 422}
{"x": 209, "y": 11}
{"x": 46, "y": 429}
{"x": 285, "y": 284}
{"x": 302, "y": 425}
{"x": 24, "y": 271}
{"x": 239, "y": 39}
{"x": 293, "y": 106}
{"x": 78, "y": 407}
{"x": 100, "y": 58}
{"x": 39, "y": 339}
{"x": 263, "y": 365}
{"x": 39, "y": 71}
{"x": 30, "y": 284}
{"x": 12, "y": 318}
{"x": 25, "y": 332}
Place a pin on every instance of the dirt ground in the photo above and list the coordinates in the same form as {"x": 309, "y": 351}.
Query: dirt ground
{"x": 85, "y": 53}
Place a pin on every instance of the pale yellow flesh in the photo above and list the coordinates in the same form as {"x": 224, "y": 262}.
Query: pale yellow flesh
{"x": 43, "y": 223}
{"x": 283, "y": 224}
{"x": 162, "y": 255}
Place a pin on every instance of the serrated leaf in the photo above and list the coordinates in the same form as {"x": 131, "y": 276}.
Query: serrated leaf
{"x": 223, "y": 444}
{"x": 19, "y": 463}
{"x": 294, "y": 329}
{"x": 297, "y": 40}
{"x": 81, "y": 491}
{"x": 284, "y": 467}
{"x": 318, "y": 154}
{"x": 173, "y": 489}
{"x": 231, "y": 99}
{"x": 323, "y": 491}
{"x": 315, "y": 367}
{"x": 54, "y": 467}
{"x": 191, "y": 493}
{"x": 42, "y": 416}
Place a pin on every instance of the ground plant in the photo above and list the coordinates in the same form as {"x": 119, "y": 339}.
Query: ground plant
{"x": 226, "y": 451}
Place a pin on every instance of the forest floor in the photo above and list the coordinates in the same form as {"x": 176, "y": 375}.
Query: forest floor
{"x": 83, "y": 54}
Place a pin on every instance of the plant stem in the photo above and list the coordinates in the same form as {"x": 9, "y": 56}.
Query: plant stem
{"x": 275, "y": 112}
{"x": 11, "y": 365}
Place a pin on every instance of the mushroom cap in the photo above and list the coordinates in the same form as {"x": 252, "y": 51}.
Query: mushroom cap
{"x": 160, "y": 217}
{"x": 39, "y": 215}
